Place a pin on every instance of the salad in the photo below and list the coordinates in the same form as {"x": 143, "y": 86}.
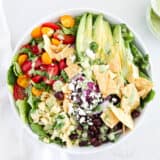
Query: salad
{"x": 80, "y": 81}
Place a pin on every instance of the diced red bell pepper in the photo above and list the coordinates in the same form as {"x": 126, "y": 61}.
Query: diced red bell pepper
{"x": 26, "y": 66}
{"x": 18, "y": 92}
{"x": 35, "y": 49}
{"x": 51, "y": 25}
{"x": 37, "y": 78}
{"x": 62, "y": 64}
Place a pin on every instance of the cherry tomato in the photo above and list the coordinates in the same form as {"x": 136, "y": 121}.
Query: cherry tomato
{"x": 37, "y": 78}
{"x": 38, "y": 63}
{"x": 18, "y": 92}
{"x": 35, "y": 49}
{"x": 26, "y": 66}
{"x": 62, "y": 64}
{"x": 68, "y": 39}
{"x": 53, "y": 70}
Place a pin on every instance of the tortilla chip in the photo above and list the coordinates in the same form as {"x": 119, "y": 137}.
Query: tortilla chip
{"x": 125, "y": 118}
{"x": 143, "y": 86}
{"x": 133, "y": 73}
{"x": 105, "y": 81}
{"x": 109, "y": 118}
{"x": 72, "y": 70}
{"x": 130, "y": 98}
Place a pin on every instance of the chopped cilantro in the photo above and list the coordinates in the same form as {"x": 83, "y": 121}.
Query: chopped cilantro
{"x": 94, "y": 46}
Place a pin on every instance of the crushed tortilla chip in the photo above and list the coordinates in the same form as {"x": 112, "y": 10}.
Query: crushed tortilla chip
{"x": 123, "y": 117}
{"x": 57, "y": 52}
{"x": 143, "y": 86}
{"x": 109, "y": 118}
{"x": 72, "y": 70}
{"x": 130, "y": 98}
{"x": 106, "y": 81}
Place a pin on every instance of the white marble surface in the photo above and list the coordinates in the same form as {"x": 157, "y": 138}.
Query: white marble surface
{"x": 16, "y": 144}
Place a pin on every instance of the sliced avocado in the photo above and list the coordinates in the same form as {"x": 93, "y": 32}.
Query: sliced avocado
{"x": 84, "y": 34}
{"x": 80, "y": 36}
{"x": 102, "y": 35}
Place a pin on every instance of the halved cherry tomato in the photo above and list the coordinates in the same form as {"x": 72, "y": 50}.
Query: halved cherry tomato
{"x": 68, "y": 39}
{"x": 26, "y": 66}
{"x": 36, "y": 91}
{"x": 23, "y": 81}
{"x": 62, "y": 64}
{"x": 22, "y": 58}
{"x": 67, "y": 21}
{"x": 18, "y": 92}
{"x": 51, "y": 25}
{"x": 38, "y": 63}
{"x": 53, "y": 70}
{"x": 48, "y": 81}
{"x": 35, "y": 49}
{"x": 46, "y": 58}
{"x": 36, "y": 32}
{"x": 37, "y": 78}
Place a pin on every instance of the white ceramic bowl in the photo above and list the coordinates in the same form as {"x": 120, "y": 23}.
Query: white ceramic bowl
{"x": 54, "y": 17}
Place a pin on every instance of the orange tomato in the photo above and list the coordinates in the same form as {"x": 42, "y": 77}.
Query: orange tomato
{"x": 67, "y": 21}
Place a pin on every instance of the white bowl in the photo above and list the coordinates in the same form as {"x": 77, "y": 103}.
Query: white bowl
{"x": 150, "y": 25}
{"x": 54, "y": 17}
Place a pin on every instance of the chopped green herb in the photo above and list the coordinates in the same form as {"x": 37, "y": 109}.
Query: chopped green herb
{"x": 64, "y": 76}
{"x": 94, "y": 46}
{"x": 41, "y": 86}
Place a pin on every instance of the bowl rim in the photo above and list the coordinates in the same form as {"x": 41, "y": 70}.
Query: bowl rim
{"x": 77, "y": 11}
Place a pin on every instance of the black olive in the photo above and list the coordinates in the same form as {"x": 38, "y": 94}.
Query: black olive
{"x": 113, "y": 98}
{"x": 59, "y": 95}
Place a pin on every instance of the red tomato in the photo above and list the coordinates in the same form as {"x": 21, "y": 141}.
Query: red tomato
{"x": 36, "y": 78}
{"x": 51, "y": 25}
{"x": 53, "y": 70}
{"x": 26, "y": 66}
{"x": 18, "y": 92}
{"x": 62, "y": 64}
{"x": 47, "y": 81}
{"x": 68, "y": 39}
{"x": 35, "y": 49}
{"x": 38, "y": 63}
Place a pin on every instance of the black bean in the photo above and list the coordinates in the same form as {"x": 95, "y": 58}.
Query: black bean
{"x": 118, "y": 127}
{"x": 80, "y": 128}
{"x": 95, "y": 142}
{"x": 59, "y": 95}
{"x": 97, "y": 122}
{"x": 83, "y": 143}
{"x": 135, "y": 114}
{"x": 91, "y": 134}
{"x": 73, "y": 136}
